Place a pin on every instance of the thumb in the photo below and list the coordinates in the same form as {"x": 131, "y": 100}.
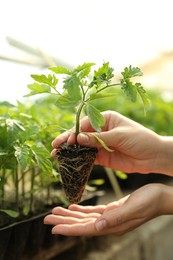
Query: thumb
{"x": 110, "y": 219}
{"x": 90, "y": 139}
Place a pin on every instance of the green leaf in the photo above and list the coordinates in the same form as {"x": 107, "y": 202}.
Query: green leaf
{"x": 11, "y": 213}
{"x": 130, "y": 72}
{"x": 129, "y": 89}
{"x": 61, "y": 70}
{"x": 26, "y": 209}
{"x": 96, "y": 118}
{"x": 84, "y": 66}
{"x": 102, "y": 143}
{"x": 97, "y": 182}
{"x": 22, "y": 154}
{"x": 103, "y": 75}
{"x": 31, "y": 131}
{"x": 84, "y": 73}
{"x": 49, "y": 80}
{"x": 66, "y": 101}
{"x": 71, "y": 84}
{"x": 94, "y": 96}
{"x": 42, "y": 156}
{"x": 121, "y": 175}
{"x": 3, "y": 153}
{"x": 38, "y": 88}
{"x": 14, "y": 129}
{"x": 13, "y": 124}
{"x": 144, "y": 96}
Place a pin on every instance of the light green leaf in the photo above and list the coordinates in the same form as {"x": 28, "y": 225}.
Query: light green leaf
{"x": 103, "y": 75}
{"x": 121, "y": 175}
{"x": 39, "y": 88}
{"x": 97, "y": 182}
{"x": 3, "y": 153}
{"x": 84, "y": 73}
{"x": 96, "y": 118}
{"x": 129, "y": 89}
{"x": 84, "y": 66}
{"x": 42, "y": 156}
{"x": 12, "y": 124}
{"x": 66, "y": 101}
{"x": 71, "y": 84}
{"x": 49, "y": 80}
{"x": 61, "y": 70}
{"x": 130, "y": 72}
{"x": 22, "y": 154}
{"x": 102, "y": 143}
{"x": 14, "y": 129}
{"x": 11, "y": 213}
{"x": 144, "y": 96}
{"x": 101, "y": 95}
{"x": 26, "y": 209}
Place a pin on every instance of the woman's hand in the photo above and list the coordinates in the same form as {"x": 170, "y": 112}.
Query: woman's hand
{"x": 136, "y": 148}
{"x": 117, "y": 218}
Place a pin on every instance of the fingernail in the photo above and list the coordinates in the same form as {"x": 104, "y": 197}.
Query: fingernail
{"x": 102, "y": 224}
{"x": 84, "y": 138}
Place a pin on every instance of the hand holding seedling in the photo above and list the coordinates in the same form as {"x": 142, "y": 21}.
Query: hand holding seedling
{"x": 134, "y": 147}
{"x": 78, "y": 90}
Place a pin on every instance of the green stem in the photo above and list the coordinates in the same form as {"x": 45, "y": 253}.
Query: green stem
{"x": 3, "y": 187}
{"x": 78, "y": 113}
{"x": 17, "y": 188}
{"x": 48, "y": 195}
{"x": 31, "y": 189}
{"x": 23, "y": 184}
{"x": 77, "y": 130}
{"x": 108, "y": 86}
{"x": 114, "y": 183}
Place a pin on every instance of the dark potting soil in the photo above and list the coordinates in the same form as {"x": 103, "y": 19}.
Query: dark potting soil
{"x": 75, "y": 165}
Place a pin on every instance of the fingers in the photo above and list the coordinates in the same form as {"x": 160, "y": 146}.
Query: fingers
{"x": 56, "y": 220}
{"x": 76, "y": 229}
{"x": 76, "y": 214}
{"x": 72, "y": 223}
{"x": 60, "y": 139}
{"x": 89, "y": 139}
{"x": 88, "y": 209}
{"x": 75, "y": 221}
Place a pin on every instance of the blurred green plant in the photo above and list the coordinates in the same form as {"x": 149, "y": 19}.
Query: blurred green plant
{"x": 159, "y": 115}
{"x": 27, "y": 170}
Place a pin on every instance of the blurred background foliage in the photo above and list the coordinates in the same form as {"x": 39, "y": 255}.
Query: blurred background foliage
{"x": 158, "y": 117}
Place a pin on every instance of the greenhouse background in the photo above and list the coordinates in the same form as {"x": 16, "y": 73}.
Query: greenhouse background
{"x": 36, "y": 35}
{"x": 124, "y": 33}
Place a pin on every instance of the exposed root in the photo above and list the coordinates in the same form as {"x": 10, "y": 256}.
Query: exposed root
{"x": 75, "y": 166}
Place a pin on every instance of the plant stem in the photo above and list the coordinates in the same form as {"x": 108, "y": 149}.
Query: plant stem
{"x": 77, "y": 130}
{"x": 17, "y": 188}
{"x": 3, "y": 187}
{"x": 23, "y": 184}
{"x": 48, "y": 195}
{"x": 78, "y": 113}
{"x": 31, "y": 189}
{"x": 114, "y": 182}
{"x": 108, "y": 86}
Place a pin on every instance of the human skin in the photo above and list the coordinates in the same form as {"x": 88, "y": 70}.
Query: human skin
{"x": 135, "y": 149}
{"x": 118, "y": 217}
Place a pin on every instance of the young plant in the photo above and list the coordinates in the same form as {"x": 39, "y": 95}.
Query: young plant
{"x": 77, "y": 89}
{"x": 24, "y": 162}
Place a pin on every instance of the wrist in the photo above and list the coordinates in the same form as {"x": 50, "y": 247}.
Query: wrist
{"x": 167, "y": 200}
{"x": 165, "y": 156}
